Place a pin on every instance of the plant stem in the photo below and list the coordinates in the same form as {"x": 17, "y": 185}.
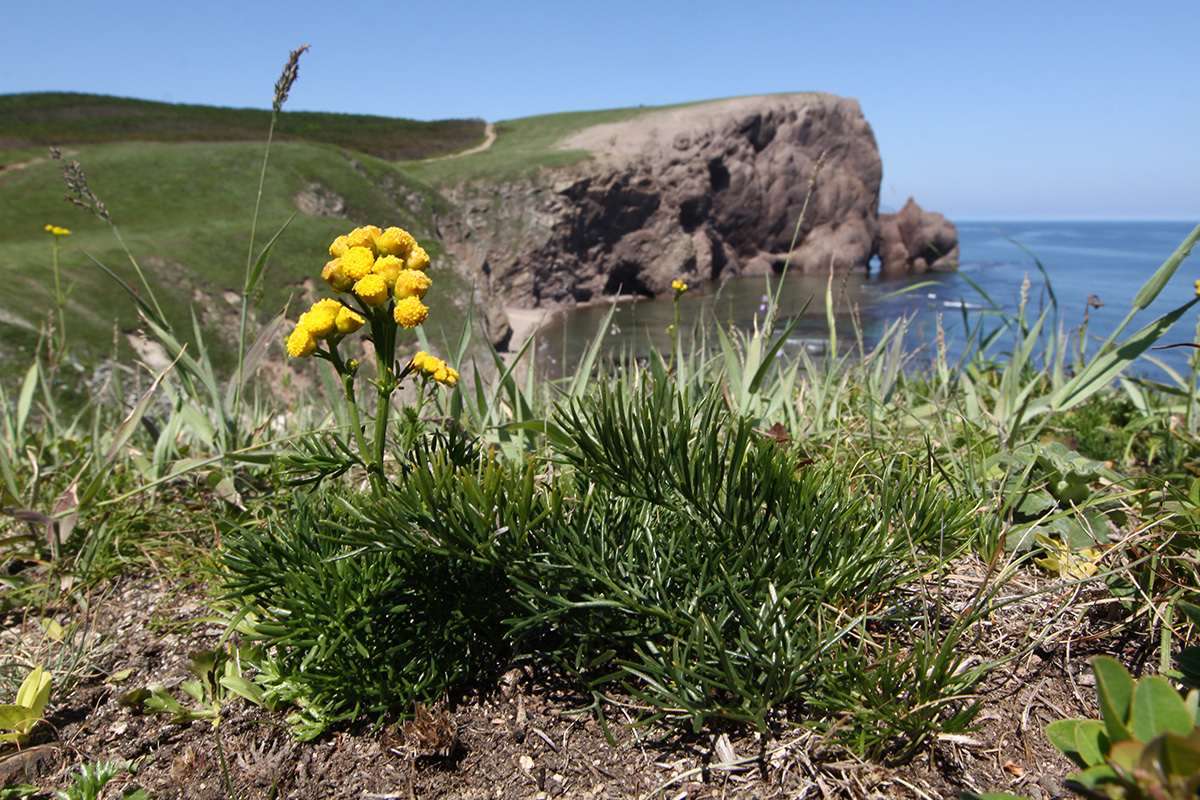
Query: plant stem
{"x": 246, "y": 287}
{"x": 385, "y": 351}
{"x": 61, "y": 301}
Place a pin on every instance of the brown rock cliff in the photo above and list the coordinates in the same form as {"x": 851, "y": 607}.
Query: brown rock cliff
{"x": 698, "y": 192}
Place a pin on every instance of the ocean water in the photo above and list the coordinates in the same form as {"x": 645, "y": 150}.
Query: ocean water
{"x": 1107, "y": 261}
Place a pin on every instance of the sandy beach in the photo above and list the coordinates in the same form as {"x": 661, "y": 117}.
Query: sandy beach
{"x": 525, "y": 322}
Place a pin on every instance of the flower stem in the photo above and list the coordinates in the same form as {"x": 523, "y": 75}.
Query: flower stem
{"x": 61, "y": 301}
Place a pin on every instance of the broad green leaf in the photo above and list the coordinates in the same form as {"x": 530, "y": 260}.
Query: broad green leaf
{"x": 1061, "y": 734}
{"x": 161, "y": 701}
{"x": 120, "y": 676}
{"x": 1180, "y": 756}
{"x": 15, "y": 718}
{"x": 1091, "y": 742}
{"x": 245, "y": 688}
{"x": 35, "y": 691}
{"x": 1093, "y": 776}
{"x": 1157, "y": 709}
{"x": 1125, "y": 756}
{"x": 1114, "y": 689}
{"x": 53, "y": 629}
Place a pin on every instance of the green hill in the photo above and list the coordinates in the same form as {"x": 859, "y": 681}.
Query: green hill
{"x": 52, "y": 118}
{"x": 181, "y": 191}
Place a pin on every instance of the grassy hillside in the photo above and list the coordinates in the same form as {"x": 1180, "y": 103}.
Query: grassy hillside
{"x": 185, "y": 211}
{"x": 51, "y": 118}
{"x": 522, "y": 145}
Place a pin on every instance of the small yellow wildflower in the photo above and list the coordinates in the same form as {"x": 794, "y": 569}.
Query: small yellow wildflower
{"x": 339, "y": 247}
{"x": 349, "y": 320}
{"x": 679, "y": 286}
{"x": 436, "y": 368}
{"x": 388, "y": 268}
{"x": 364, "y": 237}
{"x": 335, "y": 275}
{"x": 1197, "y": 288}
{"x": 372, "y": 290}
{"x": 301, "y": 344}
{"x": 411, "y": 283}
{"x": 410, "y": 312}
{"x": 1070, "y": 564}
{"x": 357, "y": 262}
{"x": 321, "y": 319}
{"x": 395, "y": 242}
{"x": 57, "y": 231}
{"x": 418, "y": 259}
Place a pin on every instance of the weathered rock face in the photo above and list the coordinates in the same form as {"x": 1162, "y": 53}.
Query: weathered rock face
{"x": 697, "y": 193}
{"x": 915, "y": 240}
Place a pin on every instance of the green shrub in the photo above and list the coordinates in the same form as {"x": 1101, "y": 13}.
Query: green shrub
{"x": 663, "y": 546}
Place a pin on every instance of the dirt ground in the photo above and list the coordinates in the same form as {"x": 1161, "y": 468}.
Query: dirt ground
{"x": 534, "y": 736}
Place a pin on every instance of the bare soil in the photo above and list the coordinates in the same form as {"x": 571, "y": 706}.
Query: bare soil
{"x": 533, "y": 736}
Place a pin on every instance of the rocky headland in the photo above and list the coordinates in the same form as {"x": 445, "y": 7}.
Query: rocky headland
{"x": 697, "y": 192}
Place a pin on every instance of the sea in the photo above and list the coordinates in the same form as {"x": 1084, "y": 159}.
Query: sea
{"x": 1079, "y": 271}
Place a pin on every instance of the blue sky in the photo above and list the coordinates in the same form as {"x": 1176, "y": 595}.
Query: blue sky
{"x": 1016, "y": 110}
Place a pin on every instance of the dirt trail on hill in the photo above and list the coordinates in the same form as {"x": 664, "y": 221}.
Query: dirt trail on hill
{"x": 489, "y": 136}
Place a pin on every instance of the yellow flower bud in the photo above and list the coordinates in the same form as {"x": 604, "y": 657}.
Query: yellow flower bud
{"x": 372, "y": 290}
{"x": 357, "y": 263}
{"x": 418, "y": 259}
{"x": 411, "y": 283}
{"x": 321, "y": 319}
{"x": 339, "y": 247}
{"x": 451, "y": 378}
{"x": 679, "y": 286}
{"x": 388, "y": 268}
{"x": 395, "y": 242}
{"x": 301, "y": 344}
{"x": 349, "y": 320}
{"x": 335, "y": 275}
{"x": 419, "y": 359}
{"x": 364, "y": 237}
{"x": 410, "y": 312}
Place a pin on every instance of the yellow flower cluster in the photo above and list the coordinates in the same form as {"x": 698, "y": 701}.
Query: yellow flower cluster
{"x": 57, "y": 231}
{"x": 679, "y": 286}
{"x": 327, "y": 319}
{"x": 435, "y": 368}
{"x": 377, "y": 265}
